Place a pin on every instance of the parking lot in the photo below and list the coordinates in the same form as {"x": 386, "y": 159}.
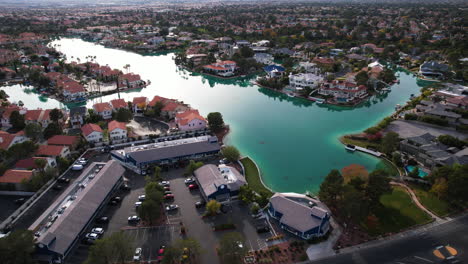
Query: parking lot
{"x": 8, "y": 205}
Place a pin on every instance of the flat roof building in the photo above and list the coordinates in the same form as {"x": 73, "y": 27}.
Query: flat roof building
{"x": 59, "y": 228}
{"x": 219, "y": 183}
{"x": 139, "y": 158}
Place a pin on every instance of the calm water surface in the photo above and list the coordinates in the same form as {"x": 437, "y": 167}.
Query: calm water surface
{"x": 295, "y": 142}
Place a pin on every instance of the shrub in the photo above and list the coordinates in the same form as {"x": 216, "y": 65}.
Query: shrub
{"x": 411, "y": 117}
{"x": 434, "y": 120}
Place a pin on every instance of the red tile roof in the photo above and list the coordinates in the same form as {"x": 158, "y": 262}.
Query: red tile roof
{"x": 114, "y": 124}
{"x": 185, "y": 117}
{"x": 8, "y": 110}
{"x": 28, "y": 163}
{"x": 15, "y": 176}
{"x": 101, "y": 107}
{"x": 62, "y": 140}
{"x": 7, "y": 138}
{"x": 33, "y": 115}
{"x": 156, "y": 99}
{"x": 118, "y": 103}
{"x": 49, "y": 150}
{"x": 90, "y": 128}
{"x": 139, "y": 100}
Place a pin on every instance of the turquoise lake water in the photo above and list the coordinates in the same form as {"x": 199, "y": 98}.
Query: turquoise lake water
{"x": 294, "y": 141}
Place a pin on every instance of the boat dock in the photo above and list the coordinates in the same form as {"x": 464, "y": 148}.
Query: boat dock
{"x": 375, "y": 153}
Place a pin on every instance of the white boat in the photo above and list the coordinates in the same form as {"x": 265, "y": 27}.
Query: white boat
{"x": 385, "y": 89}
{"x": 290, "y": 95}
{"x": 319, "y": 102}
{"x": 350, "y": 147}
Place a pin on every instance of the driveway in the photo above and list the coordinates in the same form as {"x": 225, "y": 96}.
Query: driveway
{"x": 202, "y": 229}
{"x": 407, "y": 129}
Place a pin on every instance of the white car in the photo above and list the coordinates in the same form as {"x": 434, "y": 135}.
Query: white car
{"x": 138, "y": 204}
{"x": 77, "y": 167}
{"x": 189, "y": 180}
{"x": 164, "y": 183}
{"x": 98, "y": 230}
{"x": 92, "y": 236}
{"x": 172, "y": 207}
{"x": 137, "y": 256}
{"x": 141, "y": 197}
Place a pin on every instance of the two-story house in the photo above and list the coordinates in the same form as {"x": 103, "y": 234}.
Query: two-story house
{"x": 118, "y": 103}
{"x": 7, "y": 140}
{"x": 190, "y": 120}
{"x": 78, "y": 116}
{"x": 117, "y": 131}
{"x": 53, "y": 151}
{"x": 103, "y": 109}
{"x": 92, "y": 133}
{"x": 139, "y": 105}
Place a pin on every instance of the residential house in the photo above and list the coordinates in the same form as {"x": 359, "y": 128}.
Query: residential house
{"x": 30, "y": 164}
{"x": 73, "y": 91}
{"x": 190, "y": 120}
{"x": 131, "y": 81}
{"x": 14, "y": 179}
{"x": 92, "y": 133}
{"x": 342, "y": 91}
{"x": 274, "y": 71}
{"x": 78, "y": 116}
{"x": 222, "y": 68}
{"x": 458, "y": 101}
{"x": 264, "y": 58}
{"x": 42, "y": 117}
{"x": 103, "y": 109}
{"x": 63, "y": 140}
{"x": 53, "y": 151}
{"x": 6, "y": 113}
{"x": 305, "y": 80}
{"x": 433, "y": 69}
{"x": 118, "y": 103}
{"x": 7, "y": 140}
{"x": 139, "y": 105}
{"x": 299, "y": 214}
{"x": 117, "y": 131}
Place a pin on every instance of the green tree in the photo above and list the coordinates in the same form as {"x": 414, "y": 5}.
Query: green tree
{"x": 33, "y": 131}
{"x": 116, "y": 248}
{"x": 451, "y": 141}
{"x": 62, "y": 163}
{"x": 17, "y": 247}
{"x": 52, "y": 129}
{"x": 331, "y": 188}
{"x": 40, "y": 163}
{"x": 246, "y": 52}
{"x": 123, "y": 115}
{"x": 440, "y": 188}
{"x": 156, "y": 176}
{"x": 378, "y": 184}
{"x": 193, "y": 166}
{"x": 246, "y": 194}
{"x": 17, "y": 120}
{"x": 457, "y": 182}
{"x": 215, "y": 121}
{"x": 56, "y": 115}
{"x": 361, "y": 78}
{"x": 232, "y": 248}
{"x": 149, "y": 211}
{"x": 354, "y": 204}
{"x": 230, "y": 153}
{"x": 390, "y": 143}
{"x": 396, "y": 158}
{"x": 212, "y": 207}
{"x": 154, "y": 191}
{"x": 21, "y": 150}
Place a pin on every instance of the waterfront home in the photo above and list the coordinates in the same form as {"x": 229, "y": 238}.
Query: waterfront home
{"x": 274, "y": 71}
{"x": 117, "y": 131}
{"x": 304, "y": 80}
{"x": 78, "y": 116}
{"x": 433, "y": 69}
{"x": 63, "y": 140}
{"x": 197, "y": 59}
{"x": 221, "y": 183}
{"x": 7, "y": 140}
{"x": 342, "y": 91}
{"x": 103, "y": 109}
{"x": 222, "y": 68}
{"x": 15, "y": 179}
{"x": 190, "y": 120}
{"x": 309, "y": 67}
{"x": 6, "y": 113}
{"x": 458, "y": 102}
{"x": 92, "y": 133}
{"x": 139, "y": 105}
{"x": 131, "y": 81}
{"x": 263, "y": 58}
{"x": 73, "y": 91}
{"x": 40, "y": 117}
{"x": 431, "y": 153}
{"x": 299, "y": 214}
{"x": 53, "y": 151}
{"x": 171, "y": 108}
{"x": 117, "y": 104}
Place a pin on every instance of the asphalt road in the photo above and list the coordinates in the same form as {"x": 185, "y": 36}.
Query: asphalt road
{"x": 413, "y": 249}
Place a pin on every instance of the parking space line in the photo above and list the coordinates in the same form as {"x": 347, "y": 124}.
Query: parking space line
{"x": 430, "y": 261}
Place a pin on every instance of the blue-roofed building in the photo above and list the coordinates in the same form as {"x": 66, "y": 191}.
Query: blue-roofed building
{"x": 274, "y": 71}
{"x": 299, "y": 215}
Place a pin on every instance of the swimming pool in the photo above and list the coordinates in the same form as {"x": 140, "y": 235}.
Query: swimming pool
{"x": 410, "y": 168}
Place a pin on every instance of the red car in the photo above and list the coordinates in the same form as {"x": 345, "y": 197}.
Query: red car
{"x": 161, "y": 253}
{"x": 169, "y": 196}
{"x": 193, "y": 187}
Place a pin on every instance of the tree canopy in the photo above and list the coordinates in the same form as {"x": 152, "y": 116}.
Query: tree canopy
{"x": 232, "y": 248}
{"x": 116, "y": 248}
{"x": 215, "y": 121}
{"x": 230, "y": 153}
{"x": 17, "y": 248}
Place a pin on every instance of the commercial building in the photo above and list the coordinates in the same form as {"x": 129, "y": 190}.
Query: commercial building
{"x": 62, "y": 225}
{"x": 219, "y": 183}
{"x": 139, "y": 158}
{"x": 299, "y": 215}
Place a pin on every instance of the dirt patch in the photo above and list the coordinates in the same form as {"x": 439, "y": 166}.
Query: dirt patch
{"x": 221, "y": 134}
{"x": 287, "y": 252}
{"x": 147, "y": 126}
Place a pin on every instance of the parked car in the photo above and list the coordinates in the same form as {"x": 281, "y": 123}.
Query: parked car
{"x": 167, "y": 192}
{"x": 167, "y": 188}
{"x": 134, "y": 219}
{"x": 161, "y": 253}
{"x": 189, "y": 180}
{"x": 169, "y": 196}
{"x": 57, "y": 187}
{"x": 137, "y": 255}
{"x": 92, "y": 236}
{"x": 262, "y": 229}
{"x": 193, "y": 186}
{"x": 63, "y": 180}
{"x": 77, "y": 167}
{"x": 164, "y": 183}
{"x": 102, "y": 220}
{"x": 81, "y": 161}
{"x": 172, "y": 207}
{"x": 98, "y": 230}
{"x": 125, "y": 187}
{"x": 20, "y": 200}
{"x": 138, "y": 204}
{"x": 200, "y": 204}
{"x": 141, "y": 198}
{"x": 88, "y": 241}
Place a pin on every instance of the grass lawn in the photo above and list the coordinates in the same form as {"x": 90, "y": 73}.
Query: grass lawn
{"x": 398, "y": 212}
{"x": 360, "y": 143}
{"x": 252, "y": 175}
{"x": 431, "y": 202}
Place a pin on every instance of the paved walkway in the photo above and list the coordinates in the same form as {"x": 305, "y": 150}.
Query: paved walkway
{"x": 416, "y": 201}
